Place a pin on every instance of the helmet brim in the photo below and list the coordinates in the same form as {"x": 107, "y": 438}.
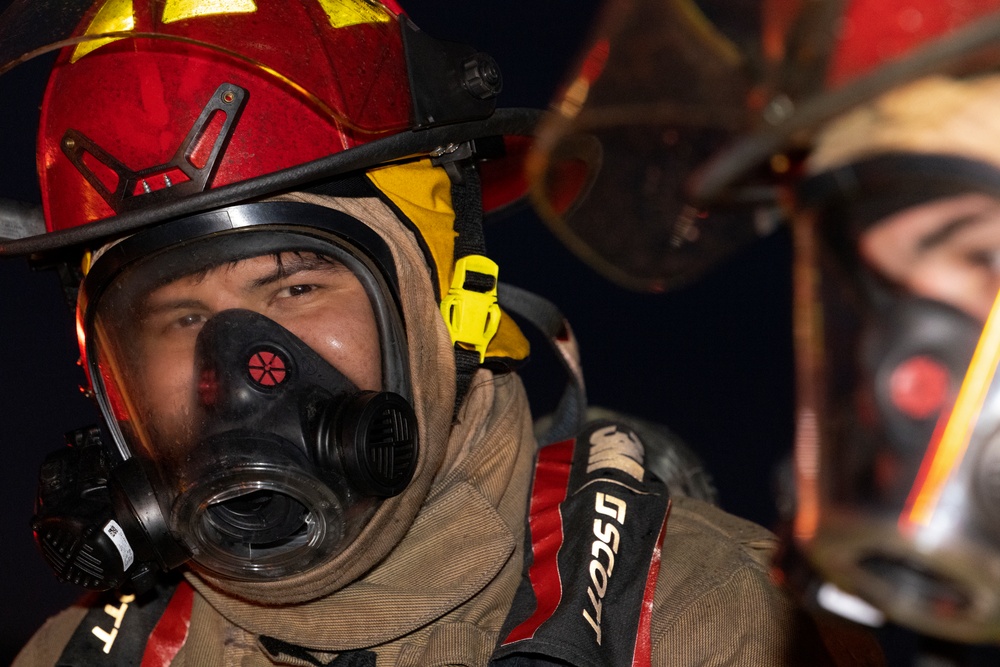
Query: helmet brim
{"x": 419, "y": 143}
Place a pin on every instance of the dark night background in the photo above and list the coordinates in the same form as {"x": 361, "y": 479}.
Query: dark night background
{"x": 711, "y": 361}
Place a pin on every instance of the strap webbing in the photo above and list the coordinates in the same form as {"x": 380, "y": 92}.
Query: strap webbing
{"x": 277, "y": 648}
{"x": 467, "y": 202}
{"x": 568, "y": 418}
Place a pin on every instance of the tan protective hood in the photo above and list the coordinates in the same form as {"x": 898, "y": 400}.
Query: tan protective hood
{"x": 937, "y": 115}
{"x": 449, "y": 534}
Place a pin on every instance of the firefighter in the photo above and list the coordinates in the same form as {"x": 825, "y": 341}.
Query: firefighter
{"x": 315, "y": 448}
{"x": 899, "y": 263}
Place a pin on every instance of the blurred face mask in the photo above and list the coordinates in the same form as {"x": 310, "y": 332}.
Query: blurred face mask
{"x": 898, "y": 434}
{"x": 255, "y": 377}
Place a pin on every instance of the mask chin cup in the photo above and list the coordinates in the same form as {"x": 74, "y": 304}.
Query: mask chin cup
{"x": 260, "y": 512}
{"x": 947, "y": 589}
{"x": 256, "y": 508}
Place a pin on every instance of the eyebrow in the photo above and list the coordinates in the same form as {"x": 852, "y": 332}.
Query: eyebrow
{"x": 285, "y": 265}
{"x": 145, "y": 310}
{"x": 295, "y": 263}
{"x": 954, "y": 226}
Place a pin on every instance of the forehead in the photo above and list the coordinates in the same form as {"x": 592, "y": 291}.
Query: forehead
{"x": 218, "y": 261}
{"x": 275, "y": 266}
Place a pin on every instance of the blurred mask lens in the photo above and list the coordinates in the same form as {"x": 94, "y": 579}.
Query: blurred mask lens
{"x": 898, "y": 443}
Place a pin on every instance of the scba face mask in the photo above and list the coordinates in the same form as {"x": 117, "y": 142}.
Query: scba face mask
{"x": 898, "y": 347}
{"x": 255, "y": 388}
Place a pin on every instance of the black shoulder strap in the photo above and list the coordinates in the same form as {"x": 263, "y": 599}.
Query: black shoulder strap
{"x": 117, "y": 628}
{"x": 276, "y": 648}
{"x": 596, "y": 523}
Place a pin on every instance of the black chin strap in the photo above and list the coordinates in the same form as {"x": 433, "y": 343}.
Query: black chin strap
{"x": 570, "y": 414}
{"x": 476, "y": 285}
{"x": 467, "y": 202}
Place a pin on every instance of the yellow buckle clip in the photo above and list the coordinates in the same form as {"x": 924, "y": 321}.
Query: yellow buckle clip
{"x": 472, "y": 317}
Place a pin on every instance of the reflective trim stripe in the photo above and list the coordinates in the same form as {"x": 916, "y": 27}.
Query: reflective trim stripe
{"x": 548, "y": 491}
{"x": 642, "y": 656}
{"x": 171, "y": 630}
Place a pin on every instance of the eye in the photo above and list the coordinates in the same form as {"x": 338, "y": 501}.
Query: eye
{"x": 189, "y": 320}
{"x": 299, "y": 290}
{"x": 987, "y": 259}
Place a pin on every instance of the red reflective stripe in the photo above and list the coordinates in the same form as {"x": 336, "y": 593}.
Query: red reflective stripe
{"x": 171, "y": 630}
{"x": 642, "y": 655}
{"x": 545, "y": 520}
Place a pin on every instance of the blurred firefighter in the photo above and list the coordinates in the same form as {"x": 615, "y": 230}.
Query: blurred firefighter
{"x": 873, "y": 126}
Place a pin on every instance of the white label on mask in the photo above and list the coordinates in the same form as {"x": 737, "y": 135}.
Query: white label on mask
{"x": 117, "y": 535}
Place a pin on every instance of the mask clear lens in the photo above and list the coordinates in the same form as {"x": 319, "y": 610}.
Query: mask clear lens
{"x": 230, "y": 364}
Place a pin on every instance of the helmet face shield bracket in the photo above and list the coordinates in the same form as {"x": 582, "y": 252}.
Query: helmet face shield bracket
{"x": 190, "y": 170}
{"x": 453, "y": 156}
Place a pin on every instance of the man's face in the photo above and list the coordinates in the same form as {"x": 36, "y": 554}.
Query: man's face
{"x": 316, "y": 298}
{"x": 947, "y": 250}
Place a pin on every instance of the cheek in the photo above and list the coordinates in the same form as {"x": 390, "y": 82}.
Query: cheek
{"x": 968, "y": 288}
{"x": 349, "y": 341}
{"x": 165, "y": 397}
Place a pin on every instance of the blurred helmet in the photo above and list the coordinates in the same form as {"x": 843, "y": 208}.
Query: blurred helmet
{"x": 696, "y": 108}
{"x": 895, "y": 303}
{"x": 880, "y": 120}
{"x": 825, "y": 58}
{"x": 660, "y": 88}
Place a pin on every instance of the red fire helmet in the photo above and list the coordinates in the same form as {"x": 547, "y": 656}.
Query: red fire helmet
{"x": 157, "y": 109}
{"x": 207, "y": 102}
